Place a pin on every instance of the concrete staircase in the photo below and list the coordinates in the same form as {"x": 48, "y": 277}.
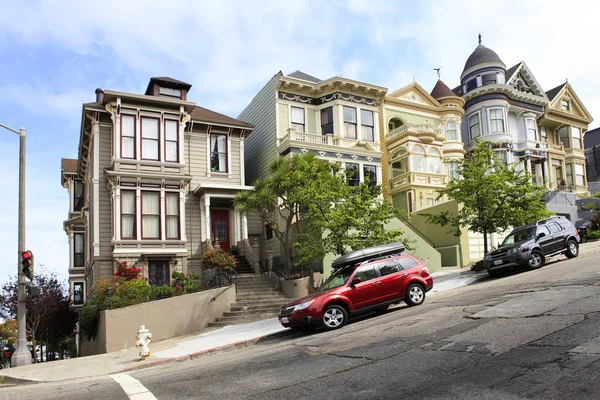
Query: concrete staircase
{"x": 242, "y": 266}
{"x": 257, "y": 299}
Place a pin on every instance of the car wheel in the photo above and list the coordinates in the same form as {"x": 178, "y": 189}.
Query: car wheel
{"x": 572, "y": 249}
{"x": 415, "y": 295}
{"x": 493, "y": 273}
{"x": 536, "y": 260}
{"x": 334, "y": 317}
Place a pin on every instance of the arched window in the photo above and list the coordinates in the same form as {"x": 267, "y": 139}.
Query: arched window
{"x": 434, "y": 162}
{"x": 419, "y": 163}
{"x": 394, "y": 123}
{"x": 451, "y": 133}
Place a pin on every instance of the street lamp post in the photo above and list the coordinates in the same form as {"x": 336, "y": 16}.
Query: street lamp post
{"x": 22, "y": 356}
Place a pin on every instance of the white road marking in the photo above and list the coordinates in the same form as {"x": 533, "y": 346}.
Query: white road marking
{"x": 133, "y": 388}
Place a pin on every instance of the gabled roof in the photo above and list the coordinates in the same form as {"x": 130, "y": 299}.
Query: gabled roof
{"x": 522, "y": 71}
{"x": 553, "y": 92}
{"x": 420, "y": 93}
{"x": 511, "y": 71}
{"x": 201, "y": 114}
{"x": 306, "y": 77}
{"x": 441, "y": 90}
{"x": 68, "y": 165}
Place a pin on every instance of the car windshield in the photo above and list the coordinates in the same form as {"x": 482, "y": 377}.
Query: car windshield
{"x": 520, "y": 236}
{"x": 337, "y": 279}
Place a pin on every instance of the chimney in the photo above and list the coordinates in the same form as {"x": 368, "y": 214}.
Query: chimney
{"x": 99, "y": 95}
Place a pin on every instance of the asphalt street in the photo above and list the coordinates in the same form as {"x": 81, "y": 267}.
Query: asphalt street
{"x": 527, "y": 335}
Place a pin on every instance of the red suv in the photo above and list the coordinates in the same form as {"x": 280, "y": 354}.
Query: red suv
{"x": 364, "y": 280}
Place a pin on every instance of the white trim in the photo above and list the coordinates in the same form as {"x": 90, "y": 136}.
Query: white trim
{"x": 489, "y": 118}
{"x": 478, "y": 113}
{"x": 242, "y": 163}
{"x": 209, "y": 185}
{"x": 228, "y": 155}
{"x": 156, "y": 250}
{"x": 96, "y": 185}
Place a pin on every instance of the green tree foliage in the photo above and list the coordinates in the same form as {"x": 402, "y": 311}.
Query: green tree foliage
{"x": 49, "y": 315}
{"x": 313, "y": 211}
{"x": 8, "y": 331}
{"x": 492, "y": 196}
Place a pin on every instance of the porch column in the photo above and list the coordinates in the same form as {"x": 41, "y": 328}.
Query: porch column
{"x": 244, "y": 227}
{"x": 207, "y": 213}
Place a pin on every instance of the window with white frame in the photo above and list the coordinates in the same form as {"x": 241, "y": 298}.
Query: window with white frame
{"x": 399, "y": 167}
{"x": 78, "y": 260}
{"x": 172, "y": 218}
{"x": 579, "y": 176}
{"x": 171, "y": 140}
{"x": 451, "y": 132}
{"x": 168, "y": 92}
{"x": 218, "y": 159}
{"x": 470, "y": 85}
{"x": 370, "y": 174}
{"x": 150, "y": 215}
{"x": 563, "y": 134}
{"x": 350, "y": 122}
{"x": 496, "y": 120}
{"x": 565, "y": 105}
{"x": 576, "y": 133}
{"x": 531, "y": 129}
{"x": 474, "y": 126}
{"x": 434, "y": 162}
{"x": 78, "y": 293}
{"x": 488, "y": 79}
{"x": 353, "y": 174}
{"x": 77, "y": 195}
{"x": 543, "y": 134}
{"x": 453, "y": 170}
{"x": 327, "y": 121}
{"x": 419, "y": 163}
{"x": 298, "y": 119}
{"x": 127, "y": 136}
{"x": 569, "y": 171}
{"x": 366, "y": 121}
{"x": 128, "y": 223}
{"x": 150, "y": 138}
{"x": 502, "y": 156}
{"x": 430, "y": 202}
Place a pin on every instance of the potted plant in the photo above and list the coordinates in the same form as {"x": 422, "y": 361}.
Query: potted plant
{"x": 234, "y": 250}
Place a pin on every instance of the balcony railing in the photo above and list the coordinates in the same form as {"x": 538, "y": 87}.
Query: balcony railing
{"x": 416, "y": 128}
{"x": 555, "y": 147}
{"x": 312, "y": 138}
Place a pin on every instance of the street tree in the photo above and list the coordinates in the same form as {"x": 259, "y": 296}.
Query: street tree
{"x": 492, "y": 196}
{"x": 48, "y": 314}
{"x": 8, "y": 331}
{"x": 312, "y": 210}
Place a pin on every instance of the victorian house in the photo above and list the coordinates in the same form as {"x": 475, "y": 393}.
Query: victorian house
{"x": 336, "y": 118}
{"x": 153, "y": 184}
{"x": 421, "y": 133}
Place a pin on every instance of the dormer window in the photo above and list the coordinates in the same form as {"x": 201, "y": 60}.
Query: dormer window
{"x": 565, "y": 105}
{"x": 489, "y": 79}
{"x": 168, "y": 92}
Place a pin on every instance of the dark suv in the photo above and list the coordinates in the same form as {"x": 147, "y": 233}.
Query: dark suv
{"x": 529, "y": 245}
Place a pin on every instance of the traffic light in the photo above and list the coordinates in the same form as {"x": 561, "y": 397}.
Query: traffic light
{"x": 27, "y": 264}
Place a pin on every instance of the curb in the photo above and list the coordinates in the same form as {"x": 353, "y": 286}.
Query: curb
{"x": 215, "y": 350}
{"x": 7, "y": 381}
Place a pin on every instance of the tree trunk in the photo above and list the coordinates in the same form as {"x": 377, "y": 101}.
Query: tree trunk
{"x": 485, "y": 242}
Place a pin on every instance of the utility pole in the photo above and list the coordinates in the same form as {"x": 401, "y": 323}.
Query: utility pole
{"x": 22, "y": 356}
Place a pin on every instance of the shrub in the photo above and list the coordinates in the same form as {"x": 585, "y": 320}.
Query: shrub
{"x": 234, "y": 249}
{"x": 218, "y": 259}
{"x": 162, "y": 292}
{"x": 591, "y": 235}
{"x": 126, "y": 272}
{"x": 595, "y": 222}
{"x": 130, "y": 292}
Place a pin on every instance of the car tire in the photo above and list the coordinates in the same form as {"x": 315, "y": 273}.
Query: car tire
{"x": 493, "y": 273}
{"x": 572, "y": 249}
{"x": 536, "y": 260}
{"x": 415, "y": 295}
{"x": 334, "y": 317}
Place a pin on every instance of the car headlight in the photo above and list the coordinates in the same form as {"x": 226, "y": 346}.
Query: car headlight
{"x": 513, "y": 250}
{"x": 488, "y": 257}
{"x": 302, "y": 306}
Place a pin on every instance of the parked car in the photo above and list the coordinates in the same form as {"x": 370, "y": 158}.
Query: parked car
{"x": 364, "y": 280}
{"x": 529, "y": 245}
{"x": 8, "y": 348}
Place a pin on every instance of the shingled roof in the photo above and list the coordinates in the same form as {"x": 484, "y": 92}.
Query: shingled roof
{"x": 553, "y": 92}
{"x": 202, "y": 114}
{"x": 441, "y": 90}
{"x": 482, "y": 55}
{"x": 68, "y": 165}
{"x": 303, "y": 76}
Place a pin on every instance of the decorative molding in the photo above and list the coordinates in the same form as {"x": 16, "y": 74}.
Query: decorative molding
{"x": 296, "y": 97}
{"x": 322, "y": 153}
{"x": 339, "y": 155}
{"x": 354, "y": 157}
{"x": 327, "y": 98}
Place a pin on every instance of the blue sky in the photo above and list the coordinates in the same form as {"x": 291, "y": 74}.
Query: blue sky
{"x": 55, "y": 54}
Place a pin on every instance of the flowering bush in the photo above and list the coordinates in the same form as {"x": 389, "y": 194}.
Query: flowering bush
{"x": 218, "y": 259}
{"x": 126, "y": 272}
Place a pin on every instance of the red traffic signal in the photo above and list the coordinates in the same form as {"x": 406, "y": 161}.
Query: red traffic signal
{"x": 27, "y": 263}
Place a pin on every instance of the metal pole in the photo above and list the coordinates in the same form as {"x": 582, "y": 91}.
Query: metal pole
{"x": 22, "y": 356}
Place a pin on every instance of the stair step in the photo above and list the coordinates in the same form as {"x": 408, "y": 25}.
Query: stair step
{"x": 259, "y": 296}
{"x": 251, "y": 317}
{"x": 254, "y": 303}
{"x": 259, "y": 307}
{"x": 250, "y": 313}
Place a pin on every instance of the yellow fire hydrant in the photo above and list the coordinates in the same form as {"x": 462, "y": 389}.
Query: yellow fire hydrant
{"x": 144, "y": 337}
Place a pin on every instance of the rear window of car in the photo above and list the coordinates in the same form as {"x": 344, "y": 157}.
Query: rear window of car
{"x": 387, "y": 267}
{"x": 406, "y": 262}
{"x": 554, "y": 227}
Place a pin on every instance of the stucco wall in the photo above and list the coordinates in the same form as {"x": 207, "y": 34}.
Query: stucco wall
{"x": 164, "y": 318}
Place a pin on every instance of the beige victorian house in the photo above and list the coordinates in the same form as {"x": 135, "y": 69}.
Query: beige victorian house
{"x": 153, "y": 184}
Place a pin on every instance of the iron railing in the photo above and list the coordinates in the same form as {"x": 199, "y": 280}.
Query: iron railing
{"x": 290, "y": 272}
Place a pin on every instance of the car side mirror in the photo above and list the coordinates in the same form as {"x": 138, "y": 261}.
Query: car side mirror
{"x": 355, "y": 281}
{"x": 541, "y": 235}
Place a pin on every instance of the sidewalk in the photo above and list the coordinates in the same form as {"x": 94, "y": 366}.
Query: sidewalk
{"x": 184, "y": 347}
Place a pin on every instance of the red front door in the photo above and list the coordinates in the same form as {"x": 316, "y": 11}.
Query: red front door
{"x": 220, "y": 228}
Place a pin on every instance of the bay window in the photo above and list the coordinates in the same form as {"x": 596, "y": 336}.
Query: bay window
{"x": 150, "y": 215}
{"x": 569, "y": 171}
{"x": 78, "y": 293}
{"x": 370, "y": 174}
{"x": 474, "y": 126}
{"x": 579, "y": 177}
{"x": 366, "y": 121}
{"x": 531, "y": 129}
{"x": 496, "y": 120}
{"x": 451, "y": 133}
{"x": 77, "y": 195}
{"x": 576, "y": 133}
{"x": 78, "y": 250}
{"x": 453, "y": 170}
{"x": 399, "y": 167}
{"x": 298, "y": 119}
{"x": 434, "y": 162}
{"x": 419, "y": 164}
{"x": 350, "y": 122}
{"x": 128, "y": 214}
{"x": 150, "y": 139}
{"x": 172, "y": 215}
{"x": 171, "y": 141}
{"x": 327, "y": 120}
{"x": 563, "y": 134}
{"x": 127, "y": 136}
{"x": 218, "y": 160}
